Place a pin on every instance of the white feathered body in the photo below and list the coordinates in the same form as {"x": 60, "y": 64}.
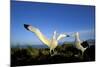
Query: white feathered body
{"x": 52, "y": 44}
{"x": 78, "y": 43}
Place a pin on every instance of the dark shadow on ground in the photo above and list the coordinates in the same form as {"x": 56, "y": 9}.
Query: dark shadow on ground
{"x": 66, "y": 53}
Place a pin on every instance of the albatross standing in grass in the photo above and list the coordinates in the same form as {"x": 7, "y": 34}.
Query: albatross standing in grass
{"x": 52, "y": 43}
{"x": 78, "y": 43}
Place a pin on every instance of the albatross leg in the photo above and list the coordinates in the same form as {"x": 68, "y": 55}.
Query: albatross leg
{"x": 53, "y": 52}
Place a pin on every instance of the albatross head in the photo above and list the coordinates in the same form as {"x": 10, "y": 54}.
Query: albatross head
{"x": 55, "y": 32}
{"x": 76, "y": 34}
{"x": 65, "y": 35}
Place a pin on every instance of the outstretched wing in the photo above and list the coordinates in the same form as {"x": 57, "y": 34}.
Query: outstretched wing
{"x": 61, "y": 36}
{"x": 38, "y": 33}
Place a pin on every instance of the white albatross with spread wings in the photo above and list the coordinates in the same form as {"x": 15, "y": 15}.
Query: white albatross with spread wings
{"x": 52, "y": 43}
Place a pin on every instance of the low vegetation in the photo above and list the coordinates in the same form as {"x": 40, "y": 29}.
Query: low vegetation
{"x": 66, "y": 53}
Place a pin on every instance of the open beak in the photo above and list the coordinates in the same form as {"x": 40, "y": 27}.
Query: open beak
{"x": 26, "y": 26}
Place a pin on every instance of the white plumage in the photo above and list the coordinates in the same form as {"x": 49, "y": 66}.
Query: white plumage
{"x": 78, "y": 42}
{"x": 52, "y": 43}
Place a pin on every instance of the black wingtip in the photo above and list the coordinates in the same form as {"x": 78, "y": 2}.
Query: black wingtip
{"x": 68, "y": 35}
{"x": 26, "y": 26}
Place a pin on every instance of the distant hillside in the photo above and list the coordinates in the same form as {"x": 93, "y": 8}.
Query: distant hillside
{"x": 25, "y": 46}
{"x": 91, "y": 41}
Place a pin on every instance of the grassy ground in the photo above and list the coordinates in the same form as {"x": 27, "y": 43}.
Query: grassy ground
{"x": 66, "y": 53}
